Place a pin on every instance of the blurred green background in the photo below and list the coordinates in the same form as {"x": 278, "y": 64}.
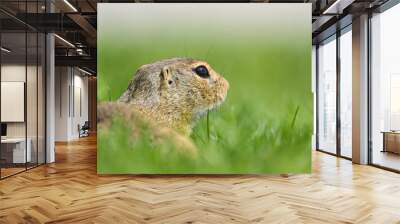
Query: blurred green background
{"x": 264, "y": 126}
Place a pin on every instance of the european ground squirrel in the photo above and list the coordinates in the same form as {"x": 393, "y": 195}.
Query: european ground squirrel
{"x": 171, "y": 93}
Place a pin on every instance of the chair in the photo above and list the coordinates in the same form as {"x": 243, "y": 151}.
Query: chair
{"x": 84, "y": 130}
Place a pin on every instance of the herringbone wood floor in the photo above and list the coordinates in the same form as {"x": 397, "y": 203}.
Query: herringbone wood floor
{"x": 70, "y": 191}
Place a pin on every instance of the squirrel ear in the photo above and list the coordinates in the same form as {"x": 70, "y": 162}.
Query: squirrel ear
{"x": 166, "y": 75}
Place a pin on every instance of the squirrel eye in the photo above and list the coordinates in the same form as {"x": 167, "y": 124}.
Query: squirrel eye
{"x": 202, "y": 71}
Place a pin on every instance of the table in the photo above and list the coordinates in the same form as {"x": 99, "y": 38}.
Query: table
{"x": 16, "y": 147}
{"x": 391, "y": 141}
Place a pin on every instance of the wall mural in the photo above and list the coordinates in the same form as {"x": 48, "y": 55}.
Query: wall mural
{"x": 204, "y": 88}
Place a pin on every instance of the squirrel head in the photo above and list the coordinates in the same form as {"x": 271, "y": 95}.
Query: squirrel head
{"x": 176, "y": 91}
{"x": 192, "y": 85}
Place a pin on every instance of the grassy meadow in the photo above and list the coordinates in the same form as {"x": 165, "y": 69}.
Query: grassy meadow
{"x": 265, "y": 124}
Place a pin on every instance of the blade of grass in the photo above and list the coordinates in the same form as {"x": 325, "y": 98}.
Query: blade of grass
{"x": 295, "y": 116}
{"x": 208, "y": 125}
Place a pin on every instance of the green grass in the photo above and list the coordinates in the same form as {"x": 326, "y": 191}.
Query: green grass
{"x": 237, "y": 143}
{"x": 264, "y": 126}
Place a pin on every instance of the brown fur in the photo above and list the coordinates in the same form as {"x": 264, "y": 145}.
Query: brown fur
{"x": 137, "y": 121}
{"x": 170, "y": 94}
{"x": 180, "y": 104}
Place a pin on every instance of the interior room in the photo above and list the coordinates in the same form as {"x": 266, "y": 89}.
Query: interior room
{"x": 55, "y": 97}
{"x": 72, "y": 104}
{"x": 385, "y": 90}
{"x": 22, "y": 100}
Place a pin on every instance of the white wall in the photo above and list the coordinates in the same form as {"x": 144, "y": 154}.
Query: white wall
{"x": 12, "y": 73}
{"x": 34, "y": 125}
{"x": 17, "y": 73}
{"x": 71, "y": 94}
{"x": 62, "y": 81}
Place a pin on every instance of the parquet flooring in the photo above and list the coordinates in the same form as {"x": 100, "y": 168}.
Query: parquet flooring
{"x": 70, "y": 191}
{"x": 10, "y": 171}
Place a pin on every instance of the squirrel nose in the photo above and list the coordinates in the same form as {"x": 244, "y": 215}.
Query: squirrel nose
{"x": 225, "y": 83}
{"x": 224, "y": 87}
